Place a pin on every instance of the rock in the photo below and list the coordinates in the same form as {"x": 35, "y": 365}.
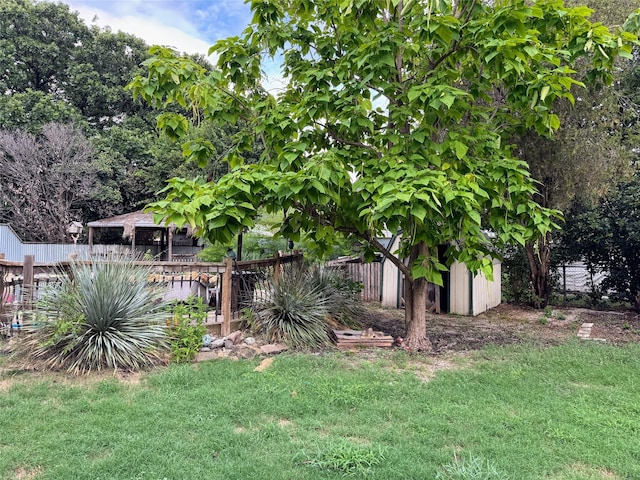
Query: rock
{"x": 273, "y": 348}
{"x": 228, "y": 343}
{"x": 211, "y": 355}
{"x": 205, "y": 349}
{"x": 266, "y": 363}
{"x": 249, "y": 340}
{"x": 217, "y": 343}
{"x": 235, "y": 337}
{"x": 244, "y": 352}
{"x": 206, "y": 340}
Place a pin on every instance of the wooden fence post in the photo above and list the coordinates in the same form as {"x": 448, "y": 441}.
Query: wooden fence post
{"x": 277, "y": 266}
{"x": 27, "y": 281}
{"x": 227, "y": 282}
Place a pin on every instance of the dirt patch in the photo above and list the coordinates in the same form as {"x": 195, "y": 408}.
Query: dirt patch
{"x": 509, "y": 324}
{"x": 15, "y": 370}
{"x": 427, "y": 371}
{"x": 5, "y": 384}
{"x": 266, "y": 363}
{"x": 22, "y": 473}
{"x": 283, "y": 422}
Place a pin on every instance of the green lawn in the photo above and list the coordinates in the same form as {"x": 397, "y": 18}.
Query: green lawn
{"x": 570, "y": 412}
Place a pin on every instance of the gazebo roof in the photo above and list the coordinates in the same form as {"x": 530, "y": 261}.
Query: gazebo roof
{"x": 134, "y": 219}
{"x": 129, "y": 222}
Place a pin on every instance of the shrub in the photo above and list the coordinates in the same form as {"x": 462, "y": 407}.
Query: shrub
{"x": 294, "y": 310}
{"x": 102, "y": 315}
{"x": 186, "y": 329}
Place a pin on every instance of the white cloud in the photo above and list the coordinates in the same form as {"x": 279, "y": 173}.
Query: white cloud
{"x": 156, "y": 27}
{"x": 190, "y": 26}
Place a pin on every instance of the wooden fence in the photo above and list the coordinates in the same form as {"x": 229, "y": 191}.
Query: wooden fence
{"x": 368, "y": 274}
{"x": 227, "y": 287}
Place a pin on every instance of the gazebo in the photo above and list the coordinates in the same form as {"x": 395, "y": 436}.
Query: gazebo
{"x": 146, "y": 235}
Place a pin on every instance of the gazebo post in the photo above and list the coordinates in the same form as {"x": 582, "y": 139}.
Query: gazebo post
{"x": 90, "y": 241}
{"x": 169, "y": 244}
{"x": 133, "y": 244}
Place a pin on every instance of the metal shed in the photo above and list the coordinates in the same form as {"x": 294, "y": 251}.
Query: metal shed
{"x": 463, "y": 292}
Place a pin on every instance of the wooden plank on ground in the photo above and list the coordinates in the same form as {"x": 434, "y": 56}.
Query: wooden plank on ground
{"x": 357, "y": 338}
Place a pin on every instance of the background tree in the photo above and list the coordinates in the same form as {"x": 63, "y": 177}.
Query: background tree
{"x": 44, "y": 47}
{"x": 45, "y": 180}
{"x": 588, "y": 154}
{"x": 37, "y": 43}
{"x": 32, "y": 109}
{"x": 396, "y": 95}
{"x": 98, "y": 74}
{"x": 607, "y": 237}
{"x": 53, "y": 68}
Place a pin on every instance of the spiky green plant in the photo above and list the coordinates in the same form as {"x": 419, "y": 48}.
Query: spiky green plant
{"x": 294, "y": 310}
{"x": 103, "y": 315}
{"x": 341, "y": 293}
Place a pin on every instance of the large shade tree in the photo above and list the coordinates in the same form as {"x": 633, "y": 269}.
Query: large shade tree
{"x": 392, "y": 118}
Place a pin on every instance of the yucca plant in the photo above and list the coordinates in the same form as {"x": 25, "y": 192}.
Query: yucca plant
{"x": 294, "y": 311}
{"x": 341, "y": 293}
{"x": 102, "y": 315}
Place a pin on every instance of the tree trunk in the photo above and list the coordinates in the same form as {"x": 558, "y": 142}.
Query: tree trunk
{"x": 415, "y": 301}
{"x": 539, "y": 257}
{"x": 415, "y": 304}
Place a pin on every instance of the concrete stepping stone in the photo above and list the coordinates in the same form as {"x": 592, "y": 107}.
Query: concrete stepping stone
{"x": 585, "y": 330}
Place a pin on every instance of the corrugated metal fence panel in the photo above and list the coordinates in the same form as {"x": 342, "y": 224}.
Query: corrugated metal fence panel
{"x": 459, "y": 289}
{"x": 14, "y": 250}
{"x": 50, "y": 253}
{"x": 487, "y": 294}
{"x": 10, "y": 244}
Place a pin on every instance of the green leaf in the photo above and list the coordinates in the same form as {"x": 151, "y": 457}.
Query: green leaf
{"x": 414, "y": 93}
{"x": 418, "y": 211}
{"x": 544, "y": 92}
{"x": 461, "y": 149}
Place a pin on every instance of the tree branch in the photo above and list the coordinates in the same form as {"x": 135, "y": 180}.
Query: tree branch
{"x": 345, "y": 141}
{"x": 387, "y": 253}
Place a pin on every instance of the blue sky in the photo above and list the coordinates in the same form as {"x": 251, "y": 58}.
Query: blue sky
{"x": 188, "y": 25}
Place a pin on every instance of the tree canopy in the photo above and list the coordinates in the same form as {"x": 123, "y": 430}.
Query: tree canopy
{"x": 393, "y": 117}
{"x": 56, "y": 69}
{"x": 591, "y": 152}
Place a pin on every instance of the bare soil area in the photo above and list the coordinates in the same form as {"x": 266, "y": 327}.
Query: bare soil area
{"x": 508, "y": 324}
